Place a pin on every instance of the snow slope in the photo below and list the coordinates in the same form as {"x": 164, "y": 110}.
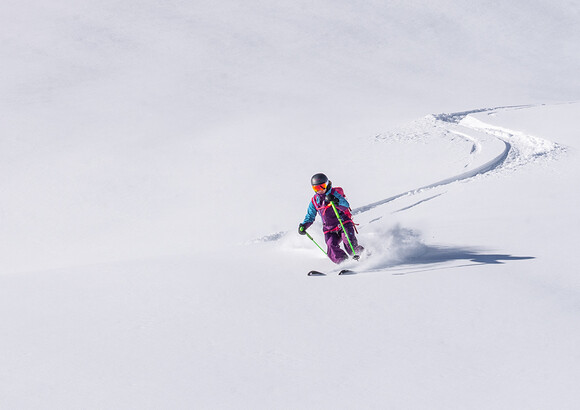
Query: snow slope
{"x": 155, "y": 161}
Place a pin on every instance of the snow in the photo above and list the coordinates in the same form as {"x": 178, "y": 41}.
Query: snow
{"x": 155, "y": 161}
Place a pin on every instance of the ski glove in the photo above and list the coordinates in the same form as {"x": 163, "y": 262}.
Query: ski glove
{"x": 331, "y": 198}
{"x": 302, "y": 229}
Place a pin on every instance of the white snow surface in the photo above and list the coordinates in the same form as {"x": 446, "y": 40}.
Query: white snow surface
{"x": 155, "y": 161}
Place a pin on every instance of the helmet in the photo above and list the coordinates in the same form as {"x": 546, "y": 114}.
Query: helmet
{"x": 320, "y": 183}
{"x": 318, "y": 179}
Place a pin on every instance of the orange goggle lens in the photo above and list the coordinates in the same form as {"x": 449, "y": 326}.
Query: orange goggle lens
{"x": 321, "y": 187}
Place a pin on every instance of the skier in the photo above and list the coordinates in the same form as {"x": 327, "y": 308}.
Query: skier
{"x": 324, "y": 195}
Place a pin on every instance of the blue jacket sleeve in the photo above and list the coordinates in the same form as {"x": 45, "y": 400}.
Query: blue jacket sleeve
{"x": 310, "y": 214}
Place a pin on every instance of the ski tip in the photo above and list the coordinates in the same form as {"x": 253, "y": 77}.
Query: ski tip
{"x": 316, "y": 273}
{"x": 346, "y": 272}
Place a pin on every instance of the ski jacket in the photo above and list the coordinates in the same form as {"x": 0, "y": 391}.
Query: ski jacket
{"x": 319, "y": 205}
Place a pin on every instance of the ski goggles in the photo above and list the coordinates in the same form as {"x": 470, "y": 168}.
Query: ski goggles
{"x": 320, "y": 187}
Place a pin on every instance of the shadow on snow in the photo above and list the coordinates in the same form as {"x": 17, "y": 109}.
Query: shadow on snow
{"x": 434, "y": 255}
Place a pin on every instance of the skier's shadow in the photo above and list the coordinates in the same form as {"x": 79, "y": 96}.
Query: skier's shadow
{"x": 433, "y": 255}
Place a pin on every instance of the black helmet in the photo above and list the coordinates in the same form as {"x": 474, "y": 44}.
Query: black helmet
{"x": 320, "y": 183}
{"x": 318, "y": 179}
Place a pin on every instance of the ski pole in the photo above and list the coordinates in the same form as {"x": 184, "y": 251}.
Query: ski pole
{"x": 355, "y": 256}
{"x": 312, "y": 239}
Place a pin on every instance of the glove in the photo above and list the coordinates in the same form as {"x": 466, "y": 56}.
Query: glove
{"x": 331, "y": 198}
{"x": 302, "y": 229}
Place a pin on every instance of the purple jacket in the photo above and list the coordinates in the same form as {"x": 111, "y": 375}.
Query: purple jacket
{"x": 329, "y": 220}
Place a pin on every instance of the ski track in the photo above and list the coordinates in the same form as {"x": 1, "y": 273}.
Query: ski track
{"x": 518, "y": 149}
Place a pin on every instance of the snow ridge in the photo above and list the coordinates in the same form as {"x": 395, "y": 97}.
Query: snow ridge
{"x": 457, "y": 117}
{"x": 525, "y": 148}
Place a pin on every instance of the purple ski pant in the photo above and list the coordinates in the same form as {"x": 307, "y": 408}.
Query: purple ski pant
{"x": 335, "y": 238}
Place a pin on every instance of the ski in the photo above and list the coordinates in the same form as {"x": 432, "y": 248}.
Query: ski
{"x": 316, "y": 273}
{"x": 342, "y": 272}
